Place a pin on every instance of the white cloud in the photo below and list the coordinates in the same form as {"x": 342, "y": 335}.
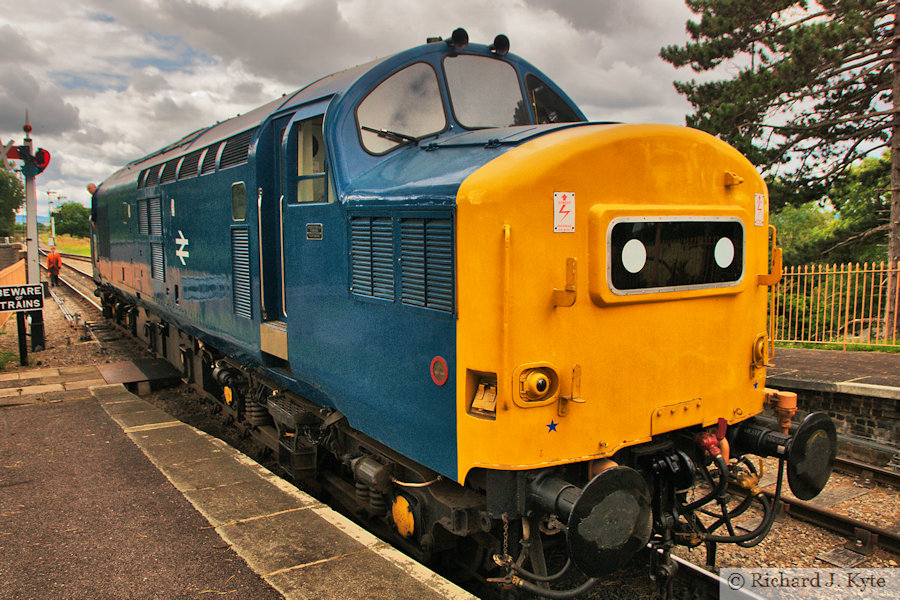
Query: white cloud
{"x": 107, "y": 81}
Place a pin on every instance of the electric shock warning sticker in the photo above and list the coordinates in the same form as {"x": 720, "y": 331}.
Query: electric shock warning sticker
{"x": 760, "y": 212}
{"x": 563, "y": 212}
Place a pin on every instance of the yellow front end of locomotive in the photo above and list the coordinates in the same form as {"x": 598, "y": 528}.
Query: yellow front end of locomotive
{"x": 556, "y": 363}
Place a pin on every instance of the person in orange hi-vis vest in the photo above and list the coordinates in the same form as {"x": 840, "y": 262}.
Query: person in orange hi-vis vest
{"x": 54, "y": 264}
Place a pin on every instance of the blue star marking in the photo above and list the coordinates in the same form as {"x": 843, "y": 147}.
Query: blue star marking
{"x": 551, "y": 426}
{"x": 755, "y": 385}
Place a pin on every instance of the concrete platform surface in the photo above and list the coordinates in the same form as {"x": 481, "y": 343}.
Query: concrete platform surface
{"x": 71, "y": 383}
{"x": 862, "y": 373}
{"x": 85, "y": 514}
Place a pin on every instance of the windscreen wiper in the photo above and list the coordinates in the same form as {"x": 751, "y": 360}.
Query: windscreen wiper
{"x": 394, "y": 136}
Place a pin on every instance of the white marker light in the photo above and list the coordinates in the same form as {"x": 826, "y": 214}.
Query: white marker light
{"x": 634, "y": 256}
{"x": 724, "y": 253}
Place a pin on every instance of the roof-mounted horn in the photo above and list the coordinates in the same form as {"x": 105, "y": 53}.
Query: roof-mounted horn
{"x": 500, "y": 47}
{"x": 459, "y": 39}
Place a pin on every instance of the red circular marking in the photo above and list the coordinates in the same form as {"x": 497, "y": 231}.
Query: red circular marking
{"x": 439, "y": 370}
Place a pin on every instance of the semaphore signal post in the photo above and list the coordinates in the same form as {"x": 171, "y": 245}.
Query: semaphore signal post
{"x": 33, "y": 163}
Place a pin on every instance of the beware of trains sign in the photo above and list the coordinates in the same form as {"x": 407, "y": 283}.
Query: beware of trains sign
{"x": 21, "y": 297}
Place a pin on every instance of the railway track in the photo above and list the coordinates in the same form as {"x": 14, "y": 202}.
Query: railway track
{"x": 867, "y": 473}
{"x": 79, "y": 257}
{"x": 77, "y": 303}
{"x": 700, "y": 582}
{"x": 77, "y": 284}
{"x": 865, "y": 535}
{"x": 70, "y": 260}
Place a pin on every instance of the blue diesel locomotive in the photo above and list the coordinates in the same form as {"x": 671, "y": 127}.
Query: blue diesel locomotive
{"x": 440, "y": 295}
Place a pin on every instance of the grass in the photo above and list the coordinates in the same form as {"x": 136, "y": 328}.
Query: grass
{"x": 7, "y": 357}
{"x": 839, "y": 346}
{"x": 67, "y": 244}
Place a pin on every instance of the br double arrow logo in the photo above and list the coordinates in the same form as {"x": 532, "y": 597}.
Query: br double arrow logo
{"x": 182, "y": 242}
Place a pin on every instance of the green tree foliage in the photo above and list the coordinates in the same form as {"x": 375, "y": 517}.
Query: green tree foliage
{"x": 809, "y": 87}
{"x": 805, "y": 231}
{"x": 849, "y": 225}
{"x": 72, "y": 218}
{"x": 12, "y": 195}
{"x": 809, "y": 92}
{"x": 862, "y": 197}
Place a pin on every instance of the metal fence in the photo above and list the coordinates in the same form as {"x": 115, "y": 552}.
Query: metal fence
{"x": 836, "y": 304}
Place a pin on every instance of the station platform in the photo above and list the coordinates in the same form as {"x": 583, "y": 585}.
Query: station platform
{"x": 102, "y": 495}
{"x": 874, "y": 374}
{"x": 859, "y": 390}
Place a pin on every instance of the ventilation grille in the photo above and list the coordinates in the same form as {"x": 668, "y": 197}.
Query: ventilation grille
{"x": 152, "y": 176}
{"x": 240, "y": 272}
{"x": 157, "y": 262}
{"x": 426, "y": 260}
{"x": 169, "y": 171}
{"x": 372, "y": 257}
{"x": 190, "y": 166}
{"x": 426, "y": 250}
{"x": 154, "y": 208}
{"x": 236, "y": 149}
{"x": 209, "y": 161}
{"x": 143, "y": 217}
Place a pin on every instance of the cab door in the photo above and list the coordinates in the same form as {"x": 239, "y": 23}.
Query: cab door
{"x": 273, "y": 328}
{"x": 298, "y": 153}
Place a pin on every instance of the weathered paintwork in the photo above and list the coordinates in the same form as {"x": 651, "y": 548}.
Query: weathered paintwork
{"x": 649, "y": 363}
{"x": 492, "y": 192}
{"x": 367, "y": 357}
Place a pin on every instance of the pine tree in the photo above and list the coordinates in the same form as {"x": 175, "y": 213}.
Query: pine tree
{"x": 810, "y": 91}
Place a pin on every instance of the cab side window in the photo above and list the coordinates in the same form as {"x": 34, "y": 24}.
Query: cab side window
{"x": 548, "y": 107}
{"x": 312, "y": 181}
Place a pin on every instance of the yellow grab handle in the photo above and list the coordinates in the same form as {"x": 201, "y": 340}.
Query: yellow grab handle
{"x": 776, "y": 270}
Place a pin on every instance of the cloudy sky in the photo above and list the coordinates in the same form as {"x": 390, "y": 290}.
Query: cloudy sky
{"x": 108, "y": 81}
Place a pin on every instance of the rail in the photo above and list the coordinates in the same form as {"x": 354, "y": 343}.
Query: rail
{"x": 835, "y": 521}
{"x": 92, "y": 301}
{"x": 837, "y": 304}
{"x": 69, "y": 259}
{"x": 702, "y": 583}
{"x": 78, "y": 257}
{"x": 74, "y": 261}
{"x": 868, "y": 472}
{"x": 841, "y": 524}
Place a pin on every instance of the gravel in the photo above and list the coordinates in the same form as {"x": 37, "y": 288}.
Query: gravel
{"x": 64, "y": 347}
{"x": 791, "y": 543}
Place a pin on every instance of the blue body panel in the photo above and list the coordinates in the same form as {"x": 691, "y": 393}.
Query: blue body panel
{"x": 366, "y": 355}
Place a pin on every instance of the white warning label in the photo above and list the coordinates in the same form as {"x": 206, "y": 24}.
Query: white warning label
{"x": 563, "y": 212}
{"x": 760, "y": 212}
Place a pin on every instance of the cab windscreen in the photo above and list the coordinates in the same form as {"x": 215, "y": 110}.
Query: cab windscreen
{"x": 664, "y": 254}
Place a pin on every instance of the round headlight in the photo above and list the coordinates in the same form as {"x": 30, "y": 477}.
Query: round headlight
{"x": 536, "y": 384}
